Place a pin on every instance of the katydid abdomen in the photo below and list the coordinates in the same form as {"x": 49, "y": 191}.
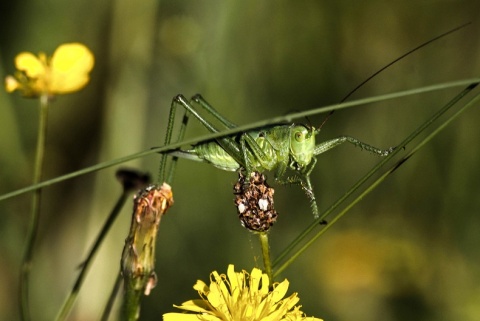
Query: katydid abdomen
{"x": 274, "y": 151}
{"x": 214, "y": 154}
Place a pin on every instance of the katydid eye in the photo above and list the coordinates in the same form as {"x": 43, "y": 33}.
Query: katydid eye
{"x": 299, "y": 136}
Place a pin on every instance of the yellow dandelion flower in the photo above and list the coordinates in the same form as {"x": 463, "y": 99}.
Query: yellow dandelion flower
{"x": 239, "y": 296}
{"x": 65, "y": 72}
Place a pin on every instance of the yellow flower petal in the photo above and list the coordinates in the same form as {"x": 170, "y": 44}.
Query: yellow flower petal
{"x": 234, "y": 280}
{"x": 70, "y": 65}
{"x": 217, "y": 301}
{"x": 214, "y": 295}
{"x": 194, "y": 306}
{"x": 280, "y": 290}
{"x": 67, "y": 71}
{"x": 239, "y": 296}
{"x": 186, "y": 317}
{"x": 30, "y": 64}
{"x": 72, "y": 57}
{"x": 11, "y": 84}
{"x": 265, "y": 284}
{"x": 201, "y": 287}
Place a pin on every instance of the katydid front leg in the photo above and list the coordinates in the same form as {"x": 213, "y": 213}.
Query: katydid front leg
{"x": 332, "y": 143}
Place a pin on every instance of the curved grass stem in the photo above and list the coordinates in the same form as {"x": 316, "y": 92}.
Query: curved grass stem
{"x": 223, "y": 133}
{"x": 67, "y": 305}
{"x": 111, "y": 300}
{"x": 372, "y": 186}
{"x": 35, "y": 211}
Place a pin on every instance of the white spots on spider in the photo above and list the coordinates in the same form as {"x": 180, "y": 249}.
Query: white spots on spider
{"x": 241, "y": 208}
{"x": 263, "y": 204}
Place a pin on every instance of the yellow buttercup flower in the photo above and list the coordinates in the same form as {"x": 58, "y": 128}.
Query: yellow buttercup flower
{"x": 239, "y": 296}
{"x": 65, "y": 72}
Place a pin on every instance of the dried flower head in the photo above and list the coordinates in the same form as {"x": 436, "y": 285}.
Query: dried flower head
{"x": 254, "y": 202}
{"x": 138, "y": 257}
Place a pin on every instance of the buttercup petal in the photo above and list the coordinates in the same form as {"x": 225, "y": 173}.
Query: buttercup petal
{"x": 67, "y": 71}
{"x": 30, "y": 64}
{"x": 71, "y": 64}
{"x": 11, "y": 84}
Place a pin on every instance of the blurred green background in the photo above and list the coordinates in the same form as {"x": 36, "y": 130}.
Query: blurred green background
{"x": 409, "y": 251}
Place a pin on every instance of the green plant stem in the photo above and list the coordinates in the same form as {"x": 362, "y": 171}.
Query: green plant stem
{"x": 35, "y": 212}
{"x": 111, "y": 299}
{"x": 332, "y": 222}
{"x": 267, "y": 263}
{"x": 131, "y": 303}
{"x": 223, "y": 133}
{"x": 377, "y": 182}
{"x": 67, "y": 305}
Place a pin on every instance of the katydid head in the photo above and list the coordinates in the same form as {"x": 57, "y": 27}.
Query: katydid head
{"x": 302, "y": 145}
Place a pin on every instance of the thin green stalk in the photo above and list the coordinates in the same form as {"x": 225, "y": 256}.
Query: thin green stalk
{"x": 400, "y": 147}
{"x": 67, "y": 305}
{"x": 130, "y": 180}
{"x": 35, "y": 212}
{"x": 87, "y": 170}
{"x": 258, "y": 124}
{"x": 370, "y": 188}
{"x": 267, "y": 263}
{"x": 111, "y": 299}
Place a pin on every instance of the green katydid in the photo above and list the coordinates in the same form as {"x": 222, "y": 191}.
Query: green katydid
{"x": 277, "y": 148}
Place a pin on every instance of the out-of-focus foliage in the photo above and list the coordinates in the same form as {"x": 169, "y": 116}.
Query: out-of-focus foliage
{"x": 407, "y": 252}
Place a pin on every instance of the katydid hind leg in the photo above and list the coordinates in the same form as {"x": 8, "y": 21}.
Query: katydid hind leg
{"x": 162, "y": 175}
{"x": 211, "y": 110}
{"x": 227, "y": 143}
{"x": 233, "y": 148}
{"x": 181, "y": 135}
{"x": 242, "y": 152}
